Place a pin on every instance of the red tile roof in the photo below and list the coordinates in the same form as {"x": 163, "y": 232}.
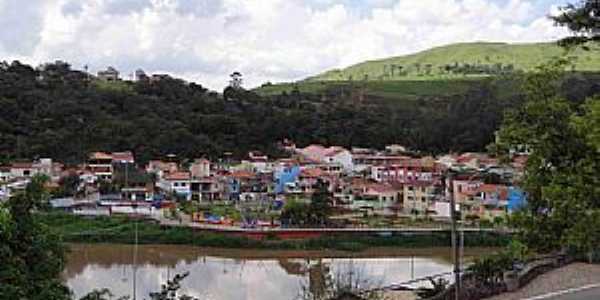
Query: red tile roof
{"x": 240, "y": 174}
{"x": 126, "y": 156}
{"x": 22, "y": 165}
{"x": 100, "y": 155}
{"x": 311, "y": 172}
{"x": 381, "y": 188}
{"x": 502, "y": 190}
{"x": 178, "y": 176}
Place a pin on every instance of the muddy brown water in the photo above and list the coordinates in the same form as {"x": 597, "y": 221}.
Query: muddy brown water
{"x": 232, "y": 274}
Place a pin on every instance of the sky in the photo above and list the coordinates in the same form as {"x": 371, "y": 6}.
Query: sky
{"x": 266, "y": 40}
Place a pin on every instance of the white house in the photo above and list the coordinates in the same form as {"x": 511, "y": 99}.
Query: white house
{"x": 178, "y": 183}
{"x": 331, "y": 155}
{"x": 22, "y": 170}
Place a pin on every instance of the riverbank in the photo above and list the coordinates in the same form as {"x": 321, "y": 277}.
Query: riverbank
{"x": 116, "y": 229}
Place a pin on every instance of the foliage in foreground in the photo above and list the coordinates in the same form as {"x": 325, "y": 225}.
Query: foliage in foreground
{"x": 561, "y": 176}
{"x": 31, "y": 255}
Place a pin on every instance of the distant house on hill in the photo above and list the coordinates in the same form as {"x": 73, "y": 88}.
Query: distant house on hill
{"x": 331, "y": 155}
{"x": 110, "y": 74}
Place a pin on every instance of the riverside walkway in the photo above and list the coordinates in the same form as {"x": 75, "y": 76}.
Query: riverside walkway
{"x": 186, "y": 222}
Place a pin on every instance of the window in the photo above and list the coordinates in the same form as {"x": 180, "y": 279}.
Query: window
{"x": 423, "y": 199}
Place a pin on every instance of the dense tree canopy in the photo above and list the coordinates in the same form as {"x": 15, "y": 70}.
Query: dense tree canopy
{"x": 561, "y": 176}
{"x": 57, "y": 112}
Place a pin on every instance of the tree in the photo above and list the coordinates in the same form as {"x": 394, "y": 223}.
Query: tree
{"x": 31, "y": 255}
{"x": 320, "y": 204}
{"x": 561, "y": 174}
{"x": 295, "y": 213}
{"x": 583, "y": 20}
{"x": 68, "y": 186}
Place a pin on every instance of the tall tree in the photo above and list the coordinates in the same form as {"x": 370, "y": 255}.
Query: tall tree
{"x": 561, "y": 173}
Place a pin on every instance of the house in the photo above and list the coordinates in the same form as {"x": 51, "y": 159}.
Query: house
{"x": 418, "y": 197}
{"x": 5, "y": 173}
{"x": 340, "y": 156}
{"x": 110, "y": 74}
{"x": 493, "y": 200}
{"x": 331, "y": 155}
{"x": 285, "y": 174}
{"x": 200, "y": 168}
{"x": 206, "y": 189}
{"x": 178, "y": 183}
{"x": 307, "y": 179}
{"x": 100, "y": 164}
{"x": 23, "y": 170}
{"x": 406, "y": 170}
{"x": 125, "y": 157}
{"x": 138, "y": 192}
{"x": 395, "y": 149}
{"x": 161, "y": 168}
{"x": 257, "y": 162}
{"x": 382, "y": 198}
{"x": 465, "y": 193}
{"x": 476, "y": 161}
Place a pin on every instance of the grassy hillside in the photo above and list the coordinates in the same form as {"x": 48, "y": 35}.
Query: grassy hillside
{"x": 406, "y": 89}
{"x": 461, "y": 60}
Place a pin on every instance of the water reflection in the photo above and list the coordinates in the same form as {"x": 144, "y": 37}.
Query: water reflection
{"x": 237, "y": 275}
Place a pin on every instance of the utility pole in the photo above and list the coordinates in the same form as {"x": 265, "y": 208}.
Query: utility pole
{"x": 455, "y": 248}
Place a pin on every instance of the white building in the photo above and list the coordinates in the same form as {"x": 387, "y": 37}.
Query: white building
{"x": 178, "y": 183}
{"x": 331, "y": 155}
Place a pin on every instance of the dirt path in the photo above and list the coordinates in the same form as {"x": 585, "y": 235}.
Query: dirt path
{"x": 572, "y": 276}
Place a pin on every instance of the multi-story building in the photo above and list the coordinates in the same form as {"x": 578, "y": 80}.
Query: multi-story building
{"x": 100, "y": 164}
{"x": 418, "y": 197}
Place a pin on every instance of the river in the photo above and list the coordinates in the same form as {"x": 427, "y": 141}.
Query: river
{"x": 225, "y": 274}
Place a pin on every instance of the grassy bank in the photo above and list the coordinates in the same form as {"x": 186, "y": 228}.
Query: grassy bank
{"x": 122, "y": 230}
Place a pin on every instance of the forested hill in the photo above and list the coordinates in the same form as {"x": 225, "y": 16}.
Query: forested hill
{"x": 463, "y": 60}
{"x": 57, "y": 112}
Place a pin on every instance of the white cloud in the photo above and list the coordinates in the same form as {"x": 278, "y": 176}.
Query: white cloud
{"x": 275, "y": 40}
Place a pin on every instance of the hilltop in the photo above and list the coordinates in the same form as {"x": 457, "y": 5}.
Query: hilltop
{"x": 460, "y": 61}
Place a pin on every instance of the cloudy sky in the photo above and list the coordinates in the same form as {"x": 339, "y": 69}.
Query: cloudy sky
{"x": 266, "y": 40}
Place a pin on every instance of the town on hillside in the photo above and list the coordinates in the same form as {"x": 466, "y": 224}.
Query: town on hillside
{"x": 364, "y": 187}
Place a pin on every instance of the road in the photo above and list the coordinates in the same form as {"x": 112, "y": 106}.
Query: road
{"x": 589, "y": 292}
{"x": 576, "y": 281}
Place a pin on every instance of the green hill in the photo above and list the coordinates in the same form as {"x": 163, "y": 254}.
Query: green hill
{"x": 460, "y": 61}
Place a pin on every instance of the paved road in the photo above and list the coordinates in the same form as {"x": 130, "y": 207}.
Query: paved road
{"x": 583, "y": 293}
{"x": 553, "y": 285}
{"x": 589, "y": 294}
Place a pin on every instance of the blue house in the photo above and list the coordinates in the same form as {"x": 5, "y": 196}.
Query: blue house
{"x": 516, "y": 199}
{"x": 284, "y": 176}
